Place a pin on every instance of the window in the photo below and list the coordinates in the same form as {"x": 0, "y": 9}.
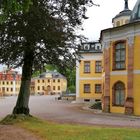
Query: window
{"x": 58, "y": 80}
{"x": 86, "y": 67}
{"x": 86, "y": 88}
{"x": 42, "y": 81}
{"x": 3, "y": 88}
{"x": 4, "y": 77}
{"x": 11, "y": 89}
{"x": 98, "y": 88}
{"x": 119, "y": 94}
{"x": 119, "y": 56}
{"x": 11, "y": 82}
{"x": 54, "y": 80}
{"x": 86, "y": 100}
{"x": 38, "y": 88}
{"x": 38, "y": 81}
{"x": 118, "y": 23}
{"x": 126, "y": 21}
{"x": 53, "y": 87}
{"x": 98, "y": 66}
{"x": 42, "y": 87}
{"x": 3, "y": 82}
{"x": 48, "y": 80}
{"x": 58, "y": 87}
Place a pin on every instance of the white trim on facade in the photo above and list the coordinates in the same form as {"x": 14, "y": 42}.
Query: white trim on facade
{"x": 136, "y": 71}
{"x": 88, "y": 57}
{"x": 77, "y": 79}
{"x": 124, "y": 72}
{"x": 118, "y": 73}
{"x": 128, "y": 34}
{"x": 90, "y": 78}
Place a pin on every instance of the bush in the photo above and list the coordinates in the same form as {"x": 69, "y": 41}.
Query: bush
{"x": 72, "y": 89}
{"x": 97, "y": 105}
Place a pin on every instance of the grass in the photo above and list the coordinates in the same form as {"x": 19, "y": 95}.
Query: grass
{"x": 53, "y": 131}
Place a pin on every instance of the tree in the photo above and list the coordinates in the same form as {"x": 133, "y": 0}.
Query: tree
{"x": 13, "y": 6}
{"x": 43, "y": 35}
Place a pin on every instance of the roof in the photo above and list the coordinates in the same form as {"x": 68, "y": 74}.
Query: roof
{"x": 119, "y": 27}
{"x": 125, "y": 12}
{"x": 135, "y": 16}
{"x": 91, "y": 47}
{"x": 53, "y": 74}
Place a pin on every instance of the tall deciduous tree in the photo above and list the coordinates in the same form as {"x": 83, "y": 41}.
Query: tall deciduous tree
{"x": 43, "y": 35}
{"x": 13, "y": 6}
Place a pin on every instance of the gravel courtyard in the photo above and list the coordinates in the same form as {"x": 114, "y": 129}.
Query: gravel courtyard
{"x": 46, "y": 107}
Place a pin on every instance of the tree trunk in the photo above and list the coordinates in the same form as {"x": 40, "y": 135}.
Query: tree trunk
{"x": 24, "y": 94}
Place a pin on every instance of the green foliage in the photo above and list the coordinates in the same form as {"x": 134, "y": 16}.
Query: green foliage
{"x": 72, "y": 89}
{"x": 12, "y": 7}
{"x": 36, "y": 73}
{"x": 51, "y": 67}
{"x": 96, "y": 105}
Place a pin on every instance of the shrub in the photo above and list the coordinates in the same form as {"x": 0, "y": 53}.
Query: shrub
{"x": 97, "y": 105}
{"x": 72, "y": 89}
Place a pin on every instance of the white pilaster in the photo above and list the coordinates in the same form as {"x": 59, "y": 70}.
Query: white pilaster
{"x": 77, "y": 79}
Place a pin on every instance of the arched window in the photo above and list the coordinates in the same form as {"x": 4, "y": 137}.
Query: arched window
{"x": 118, "y": 94}
{"x": 126, "y": 21}
{"x": 119, "y": 56}
{"x": 117, "y": 23}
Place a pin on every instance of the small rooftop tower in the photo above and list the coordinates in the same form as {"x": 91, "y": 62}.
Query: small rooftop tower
{"x": 123, "y": 17}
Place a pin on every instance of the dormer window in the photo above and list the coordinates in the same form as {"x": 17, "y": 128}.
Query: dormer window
{"x": 86, "y": 46}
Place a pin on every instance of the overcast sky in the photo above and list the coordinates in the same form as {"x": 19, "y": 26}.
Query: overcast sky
{"x": 101, "y": 17}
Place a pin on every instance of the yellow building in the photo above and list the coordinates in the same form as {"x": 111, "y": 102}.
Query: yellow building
{"x": 121, "y": 47}
{"x": 9, "y": 82}
{"x": 89, "y": 73}
{"x": 50, "y": 82}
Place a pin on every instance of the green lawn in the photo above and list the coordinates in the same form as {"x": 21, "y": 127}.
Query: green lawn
{"x": 53, "y": 131}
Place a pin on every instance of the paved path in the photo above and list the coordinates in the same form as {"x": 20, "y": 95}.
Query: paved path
{"x": 47, "y": 108}
{"x": 10, "y": 132}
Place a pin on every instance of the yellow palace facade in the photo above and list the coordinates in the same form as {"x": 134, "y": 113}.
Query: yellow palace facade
{"x": 89, "y": 73}
{"x": 120, "y": 76}
{"x": 121, "y": 93}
